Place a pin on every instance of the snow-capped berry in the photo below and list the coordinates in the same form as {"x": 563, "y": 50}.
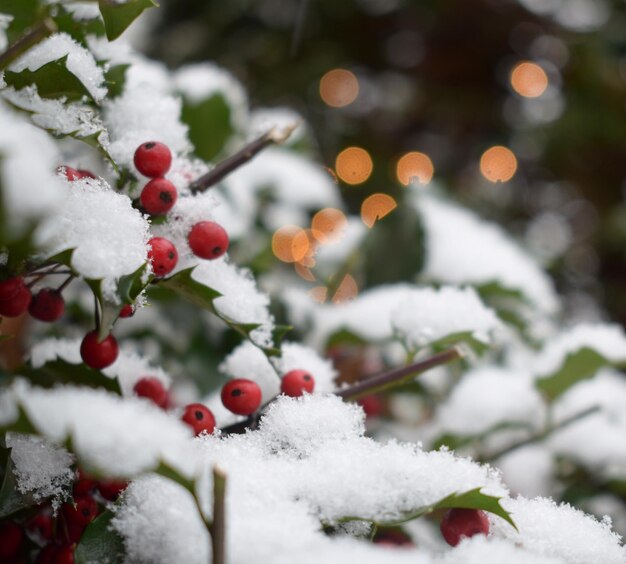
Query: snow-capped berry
{"x": 153, "y": 159}
{"x": 11, "y": 538}
{"x": 296, "y": 382}
{"x": 127, "y": 310}
{"x": 81, "y": 512}
{"x": 86, "y": 173}
{"x": 10, "y": 287}
{"x": 158, "y": 196}
{"x": 153, "y": 389}
{"x": 208, "y": 240}
{"x": 241, "y": 396}
{"x": 98, "y": 354}
{"x": 47, "y": 305}
{"x": 73, "y": 174}
{"x": 162, "y": 255}
{"x": 458, "y": 523}
{"x": 111, "y": 489}
{"x": 17, "y": 305}
{"x": 199, "y": 417}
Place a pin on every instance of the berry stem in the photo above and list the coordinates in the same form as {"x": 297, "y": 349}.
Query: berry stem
{"x": 218, "y": 527}
{"x": 65, "y": 283}
{"x": 96, "y": 312}
{"x": 544, "y": 434}
{"x": 241, "y": 157}
{"x": 41, "y": 275}
{"x": 42, "y": 30}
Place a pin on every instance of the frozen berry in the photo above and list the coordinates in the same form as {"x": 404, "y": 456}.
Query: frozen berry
{"x": 11, "y": 538}
{"x": 73, "y": 174}
{"x": 17, "y": 305}
{"x": 296, "y": 382}
{"x": 127, "y": 311}
{"x": 158, "y": 196}
{"x": 85, "y": 173}
{"x": 10, "y": 287}
{"x": 47, "y": 305}
{"x": 162, "y": 255}
{"x": 111, "y": 489}
{"x": 208, "y": 240}
{"x": 153, "y": 159}
{"x": 64, "y": 555}
{"x": 40, "y": 526}
{"x": 153, "y": 389}
{"x": 199, "y": 418}
{"x": 241, "y": 396}
{"x": 82, "y": 511}
{"x": 458, "y": 523}
{"x": 98, "y": 354}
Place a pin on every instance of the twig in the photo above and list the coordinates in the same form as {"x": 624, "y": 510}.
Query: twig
{"x": 241, "y": 157}
{"x": 41, "y": 275}
{"x": 218, "y": 526}
{"x": 545, "y": 433}
{"x": 65, "y": 283}
{"x": 42, "y": 30}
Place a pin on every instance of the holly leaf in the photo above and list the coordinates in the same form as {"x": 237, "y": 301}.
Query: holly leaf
{"x": 116, "y": 79}
{"x": 479, "y": 347}
{"x": 53, "y": 80}
{"x": 118, "y": 16}
{"x": 131, "y": 285}
{"x": 100, "y": 542}
{"x": 167, "y": 471}
{"x": 11, "y": 500}
{"x": 209, "y": 123}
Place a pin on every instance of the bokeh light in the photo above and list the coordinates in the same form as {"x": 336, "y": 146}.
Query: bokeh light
{"x": 347, "y": 290}
{"x": 529, "y": 79}
{"x": 498, "y": 164}
{"x": 354, "y": 165}
{"x": 376, "y": 207}
{"x": 318, "y": 294}
{"x": 290, "y": 243}
{"x": 328, "y": 225}
{"x": 304, "y": 272}
{"x": 415, "y": 166}
{"x": 339, "y": 87}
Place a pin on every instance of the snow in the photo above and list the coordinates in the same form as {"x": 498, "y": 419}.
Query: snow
{"x": 609, "y": 341}
{"x": 41, "y": 468}
{"x": 80, "y": 62}
{"x": 464, "y": 249}
{"x": 263, "y": 120}
{"x": 108, "y": 235}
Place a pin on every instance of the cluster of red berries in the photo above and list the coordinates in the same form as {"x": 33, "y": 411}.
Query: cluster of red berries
{"x": 16, "y": 298}
{"x": 207, "y": 239}
{"x": 56, "y": 541}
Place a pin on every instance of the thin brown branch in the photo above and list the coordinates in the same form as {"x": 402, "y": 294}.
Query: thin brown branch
{"x": 218, "y": 526}
{"x": 42, "y": 30}
{"x": 241, "y": 157}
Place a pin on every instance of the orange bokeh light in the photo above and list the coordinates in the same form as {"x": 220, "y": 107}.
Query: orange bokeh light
{"x": 376, "y": 207}
{"x": 348, "y": 290}
{"x": 529, "y": 79}
{"x": 304, "y": 272}
{"x": 318, "y": 294}
{"x": 354, "y": 165}
{"x": 498, "y": 164}
{"x": 415, "y": 166}
{"x": 290, "y": 243}
{"x": 339, "y": 87}
{"x": 328, "y": 225}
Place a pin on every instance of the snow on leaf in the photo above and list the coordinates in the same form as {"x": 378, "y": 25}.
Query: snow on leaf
{"x": 118, "y": 16}
{"x": 100, "y": 542}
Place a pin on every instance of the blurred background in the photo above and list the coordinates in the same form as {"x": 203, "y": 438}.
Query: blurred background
{"x": 515, "y": 107}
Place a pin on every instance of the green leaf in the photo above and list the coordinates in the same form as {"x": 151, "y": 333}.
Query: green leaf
{"x": 479, "y": 347}
{"x": 53, "y": 80}
{"x": 26, "y": 13}
{"x": 115, "y": 80}
{"x": 279, "y": 333}
{"x": 11, "y": 500}
{"x": 579, "y": 365}
{"x": 344, "y": 337}
{"x": 21, "y": 425}
{"x": 165, "y": 470}
{"x": 118, "y": 16}
{"x": 64, "y": 257}
{"x": 183, "y": 284}
{"x": 209, "y": 124}
{"x": 131, "y": 285}
{"x": 63, "y": 372}
{"x": 100, "y": 542}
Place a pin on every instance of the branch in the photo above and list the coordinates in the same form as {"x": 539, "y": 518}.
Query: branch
{"x": 218, "y": 527}
{"x": 241, "y": 157}
{"x": 42, "y": 30}
{"x": 545, "y": 433}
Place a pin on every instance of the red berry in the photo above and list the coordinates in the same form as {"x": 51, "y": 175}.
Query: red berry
{"x": 11, "y": 538}
{"x": 162, "y": 255}
{"x": 64, "y": 555}
{"x": 158, "y": 196}
{"x": 47, "y": 554}
{"x": 459, "y": 523}
{"x": 83, "y": 484}
{"x": 208, "y": 240}
{"x": 372, "y": 405}
{"x": 47, "y": 305}
{"x": 153, "y": 159}
{"x": 152, "y": 389}
{"x": 82, "y": 512}
{"x": 10, "y": 287}
{"x": 111, "y": 489}
{"x": 98, "y": 354}
{"x": 70, "y": 173}
{"x": 85, "y": 173}
{"x": 40, "y": 526}
{"x": 296, "y": 382}
{"x": 199, "y": 418}
{"x": 17, "y": 305}
{"x": 127, "y": 311}
{"x": 241, "y": 396}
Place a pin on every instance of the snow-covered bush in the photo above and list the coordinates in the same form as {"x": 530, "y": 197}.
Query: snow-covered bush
{"x": 129, "y": 452}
